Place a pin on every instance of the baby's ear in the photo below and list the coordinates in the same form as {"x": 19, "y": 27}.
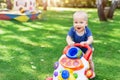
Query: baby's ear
{"x": 86, "y": 24}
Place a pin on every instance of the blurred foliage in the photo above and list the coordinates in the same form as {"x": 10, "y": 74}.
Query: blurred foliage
{"x": 70, "y": 3}
{"x": 74, "y": 3}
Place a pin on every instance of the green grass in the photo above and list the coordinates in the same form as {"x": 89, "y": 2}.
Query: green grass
{"x": 28, "y": 50}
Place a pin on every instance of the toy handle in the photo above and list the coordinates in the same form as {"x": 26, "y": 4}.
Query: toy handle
{"x": 88, "y": 52}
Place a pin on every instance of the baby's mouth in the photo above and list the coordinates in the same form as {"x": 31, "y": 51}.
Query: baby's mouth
{"x": 78, "y": 28}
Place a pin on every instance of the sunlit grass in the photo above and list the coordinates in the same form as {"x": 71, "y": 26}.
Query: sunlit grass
{"x": 28, "y": 50}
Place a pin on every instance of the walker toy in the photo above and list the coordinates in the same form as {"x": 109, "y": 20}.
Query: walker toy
{"x": 73, "y": 64}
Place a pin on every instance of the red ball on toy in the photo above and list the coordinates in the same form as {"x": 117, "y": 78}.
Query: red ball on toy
{"x": 89, "y": 73}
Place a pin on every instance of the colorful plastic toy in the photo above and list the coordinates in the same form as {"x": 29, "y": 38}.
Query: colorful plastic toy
{"x": 22, "y": 10}
{"x": 73, "y": 64}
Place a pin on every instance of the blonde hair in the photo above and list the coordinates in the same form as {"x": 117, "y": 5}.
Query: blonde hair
{"x": 80, "y": 14}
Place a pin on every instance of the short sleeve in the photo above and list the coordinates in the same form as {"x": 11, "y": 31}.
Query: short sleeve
{"x": 71, "y": 32}
{"x": 88, "y": 32}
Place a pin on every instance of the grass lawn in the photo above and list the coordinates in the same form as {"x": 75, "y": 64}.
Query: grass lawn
{"x": 28, "y": 50}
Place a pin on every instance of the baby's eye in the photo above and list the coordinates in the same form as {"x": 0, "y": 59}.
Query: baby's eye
{"x": 81, "y": 22}
{"x": 75, "y": 22}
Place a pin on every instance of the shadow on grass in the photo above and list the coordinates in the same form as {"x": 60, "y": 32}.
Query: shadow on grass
{"x": 29, "y": 49}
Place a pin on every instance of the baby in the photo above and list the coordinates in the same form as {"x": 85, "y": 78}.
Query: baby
{"x": 80, "y": 33}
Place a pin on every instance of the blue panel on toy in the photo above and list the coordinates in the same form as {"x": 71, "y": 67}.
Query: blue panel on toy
{"x": 65, "y": 74}
{"x": 74, "y": 52}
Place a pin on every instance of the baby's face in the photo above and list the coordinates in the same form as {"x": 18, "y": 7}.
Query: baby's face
{"x": 79, "y": 23}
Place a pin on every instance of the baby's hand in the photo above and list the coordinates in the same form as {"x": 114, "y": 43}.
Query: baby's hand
{"x": 71, "y": 43}
{"x": 83, "y": 43}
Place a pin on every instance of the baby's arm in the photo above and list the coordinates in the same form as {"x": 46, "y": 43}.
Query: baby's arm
{"x": 69, "y": 40}
{"x": 89, "y": 41}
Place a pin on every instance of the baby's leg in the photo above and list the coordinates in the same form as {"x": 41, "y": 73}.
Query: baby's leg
{"x": 92, "y": 66}
{"x": 91, "y": 63}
